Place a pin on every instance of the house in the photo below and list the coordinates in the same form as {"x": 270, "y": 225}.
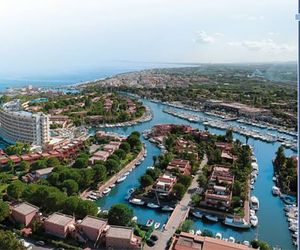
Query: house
{"x": 59, "y": 224}
{"x": 183, "y": 166}
{"x": 23, "y": 213}
{"x": 164, "y": 184}
{"x": 187, "y": 241}
{"x": 43, "y": 173}
{"x": 122, "y": 238}
{"x": 92, "y": 227}
{"x": 99, "y": 156}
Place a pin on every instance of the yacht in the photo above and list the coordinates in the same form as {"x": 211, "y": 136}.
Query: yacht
{"x": 112, "y": 185}
{"x": 156, "y": 225}
{"x": 134, "y": 219}
{"x": 275, "y": 190}
{"x": 198, "y": 232}
{"x": 121, "y": 179}
{"x": 167, "y": 208}
{"x": 238, "y": 223}
{"x": 218, "y": 236}
{"x": 126, "y": 174}
{"x": 231, "y": 239}
{"x": 137, "y": 201}
{"x": 152, "y": 205}
{"x": 254, "y": 203}
{"x": 197, "y": 214}
{"x": 149, "y": 223}
{"x": 106, "y": 191}
{"x": 192, "y": 231}
{"x": 254, "y": 220}
{"x": 212, "y": 218}
{"x": 131, "y": 191}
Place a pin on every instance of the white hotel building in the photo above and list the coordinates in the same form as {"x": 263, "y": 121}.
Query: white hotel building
{"x": 18, "y": 125}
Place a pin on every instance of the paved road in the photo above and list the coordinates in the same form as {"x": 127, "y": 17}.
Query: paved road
{"x": 179, "y": 214}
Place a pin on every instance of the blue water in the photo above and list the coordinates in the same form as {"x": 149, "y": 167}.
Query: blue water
{"x": 273, "y": 226}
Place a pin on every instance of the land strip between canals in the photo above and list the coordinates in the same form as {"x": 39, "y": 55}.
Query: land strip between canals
{"x": 179, "y": 214}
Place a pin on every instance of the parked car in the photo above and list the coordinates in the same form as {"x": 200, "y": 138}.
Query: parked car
{"x": 150, "y": 242}
{"x": 40, "y": 243}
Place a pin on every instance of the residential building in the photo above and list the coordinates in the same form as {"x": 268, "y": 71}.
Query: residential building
{"x": 187, "y": 241}
{"x": 24, "y": 213}
{"x": 43, "y": 173}
{"x": 59, "y": 224}
{"x": 19, "y": 125}
{"x": 164, "y": 184}
{"x": 122, "y": 238}
{"x": 183, "y": 166}
{"x": 92, "y": 227}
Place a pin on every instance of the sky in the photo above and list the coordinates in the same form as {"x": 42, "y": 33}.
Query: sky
{"x": 46, "y": 36}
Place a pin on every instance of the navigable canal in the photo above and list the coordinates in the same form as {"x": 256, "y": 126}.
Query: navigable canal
{"x": 273, "y": 225}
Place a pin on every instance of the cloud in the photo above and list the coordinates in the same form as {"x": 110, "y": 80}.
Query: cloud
{"x": 247, "y": 17}
{"x": 265, "y": 45}
{"x": 203, "y": 37}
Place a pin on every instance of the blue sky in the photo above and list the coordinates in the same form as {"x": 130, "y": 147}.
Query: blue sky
{"x": 68, "y": 35}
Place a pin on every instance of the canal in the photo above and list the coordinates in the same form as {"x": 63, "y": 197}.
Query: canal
{"x": 273, "y": 226}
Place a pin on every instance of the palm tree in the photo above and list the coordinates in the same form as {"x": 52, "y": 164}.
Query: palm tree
{"x": 247, "y": 138}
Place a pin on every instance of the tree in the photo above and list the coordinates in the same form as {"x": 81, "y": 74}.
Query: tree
{"x": 134, "y": 141}
{"x": 81, "y": 162}
{"x": 280, "y": 158}
{"x": 9, "y": 241}
{"x": 100, "y": 172}
{"x": 185, "y": 180}
{"x": 112, "y": 166}
{"x": 262, "y": 245}
{"x": 121, "y": 154}
{"x": 146, "y": 180}
{"x": 125, "y": 146}
{"x": 71, "y": 205}
{"x": 86, "y": 207}
{"x": 178, "y": 191}
{"x": 15, "y": 189}
{"x": 229, "y": 135}
{"x": 186, "y": 226}
{"x": 120, "y": 214}
{"x": 24, "y": 166}
{"x": 154, "y": 157}
{"x": 52, "y": 162}
{"x": 202, "y": 180}
{"x": 4, "y": 210}
{"x": 154, "y": 173}
{"x": 71, "y": 186}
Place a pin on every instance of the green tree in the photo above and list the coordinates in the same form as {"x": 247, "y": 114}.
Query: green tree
{"x": 146, "y": 180}
{"x": 9, "y": 241}
{"x": 15, "y": 189}
{"x": 186, "y": 226}
{"x": 202, "y": 180}
{"x": 24, "y": 166}
{"x": 112, "y": 166}
{"x": 280, "y": 158}
{"x": 71, "y": 205}
{"x": 85, "y": 208}
{"x": 81, "y": 162}
{"x": 185, "y": 180}
{"x": 178, "y": 191}
{"x": 125, "y": 146}
{"x": 71, "y": 186}
{"x": 4, "y": 210}
{"x": 121, "y": 154}
{"x": 53, "y": 162}
{"x": 120, "y": 214}
{"x": 100, "y": 172}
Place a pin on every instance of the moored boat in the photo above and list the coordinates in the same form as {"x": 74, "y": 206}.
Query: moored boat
{"x": 231, "y": 239}
{"x": 121, "y": 179}
{"x": 218, "y": 236}
{"x": 149, "y": 223}
{"x": 137, "y": 201}
{"x": 254, "y": 220}
{"x": 152, "y": 205}
{"x": 275, "y": 190}
{"x": 197, "y": 214}
{"x": 212, "y": 218}
{"x": 254, "y": 203}
{"x": 156, "y": 225}
{"x": 167, "y": 208}
{"x": 106, "y": 190}
{"x": 238, "y": 223}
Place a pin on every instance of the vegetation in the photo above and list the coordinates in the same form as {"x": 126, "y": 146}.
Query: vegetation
{"x": 9, "y": 241}
{"x": 17, "y": 149}
{"x": 120, "y": 214}
{"x": 262, "y": 245}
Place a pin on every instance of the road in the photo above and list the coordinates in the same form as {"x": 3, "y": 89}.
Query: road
{"x": 179, "y": 214}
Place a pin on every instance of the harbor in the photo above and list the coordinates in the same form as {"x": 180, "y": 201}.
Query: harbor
{"x": 264, "y": 153}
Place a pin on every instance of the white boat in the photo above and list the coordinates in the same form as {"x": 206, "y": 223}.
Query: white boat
{"x": 198, "y": 232}
{"x": 212, "y": 218}
{"x": 149, "y": 223}
{"x": 197, "y": 214}
{"x": 112, "y": 185}
{"x": 294, "y": 228}
{"x": 99, "y": 210}
{"x": 126, "y": 174}
{"x": 134, "y": 219}
{"x": 192, "y": 231}
{"x": 167, "y": 208}
{"x": 274, "y": 178}
{"x": 106, "y": 190}
{"x": 218, "y": 236}
{"x": 238, "y": 223}
{"x": 275, "y": 190}
{"x": 254, "y": 203}
{"x": 246, "y": 243}
{"x": 254, "y": 220}
{"x": 121, "y": 179}
{"x": 137, "y": 201}
{"x": 252, "y": 212}
{"x": 231, "y": 239}
{"x": 156, "y": 225}
{"x": 130, "y": 191}
{"x": 152, "y": 205}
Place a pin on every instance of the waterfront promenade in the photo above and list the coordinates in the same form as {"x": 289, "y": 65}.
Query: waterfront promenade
{"x": 179, "y": 214}
{"x": 115, "y": 177}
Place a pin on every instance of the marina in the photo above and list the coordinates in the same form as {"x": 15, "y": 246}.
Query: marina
{"x": 264, "y": 153}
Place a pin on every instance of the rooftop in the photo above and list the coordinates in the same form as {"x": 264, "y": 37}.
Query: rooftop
{"x": 119, "y": 232}
{"x": 25, "y": 208}
{"x": 59, "y": 219}
{"x": 93, "y": 222}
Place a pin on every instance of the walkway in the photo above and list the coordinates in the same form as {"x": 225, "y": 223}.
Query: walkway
{"x": 178, "y": 216}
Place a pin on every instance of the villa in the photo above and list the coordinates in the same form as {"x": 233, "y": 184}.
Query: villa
{"x": 122, "y": 238}
{"x": 59, "y": 224}
{"x": 164, "y": 184}
{"x": 43, "y": 173}
{"x": 24, "y": 213}
{"x": 183, "y": 166}
{"x": 92, "y": 227}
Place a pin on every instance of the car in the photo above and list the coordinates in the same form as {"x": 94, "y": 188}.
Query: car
{"x": 150, "y": 242}
{"x": 153, "y": 237}
{"x": 40, "y": 243}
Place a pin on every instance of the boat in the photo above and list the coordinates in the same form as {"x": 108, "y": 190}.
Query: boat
{"x": 149, "y": 223}
{"x": 131, "y": 191}
{"x": 293, "y": 228}
{"x": 126, "y": 174}
{"x": 121, "y": 179}
{"x": 99, "y": 210}
{"x": 212, "y": 218}
{"x": 274, "y": 178}
{"x": 198, "y": 232}
{"x": 218, "y": 236}
{"x": 287, "y": 199}
{"x": 192, "y": 231}
{"x": 246, "y": 243}
{"x": 106, "y": 190}
{"x": 252, "y": 212}
{"x": 134, "y": 219}
{"x": 254, "y": 203}
{"x": 231, "y": 239}
{"x": 112, "y": 185}
{"x": 137, "y": 201}
{"x": 197, "y": 214}
{"x": 156, "y": 225}
{"x": 275, "y": 190}
{"x": 167, "y": 208}
{"x": 254, "y": 220}
{"x": 152, "y": 205}
{"x": 93, "y": 197}
{"x": 238, "y": 223}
